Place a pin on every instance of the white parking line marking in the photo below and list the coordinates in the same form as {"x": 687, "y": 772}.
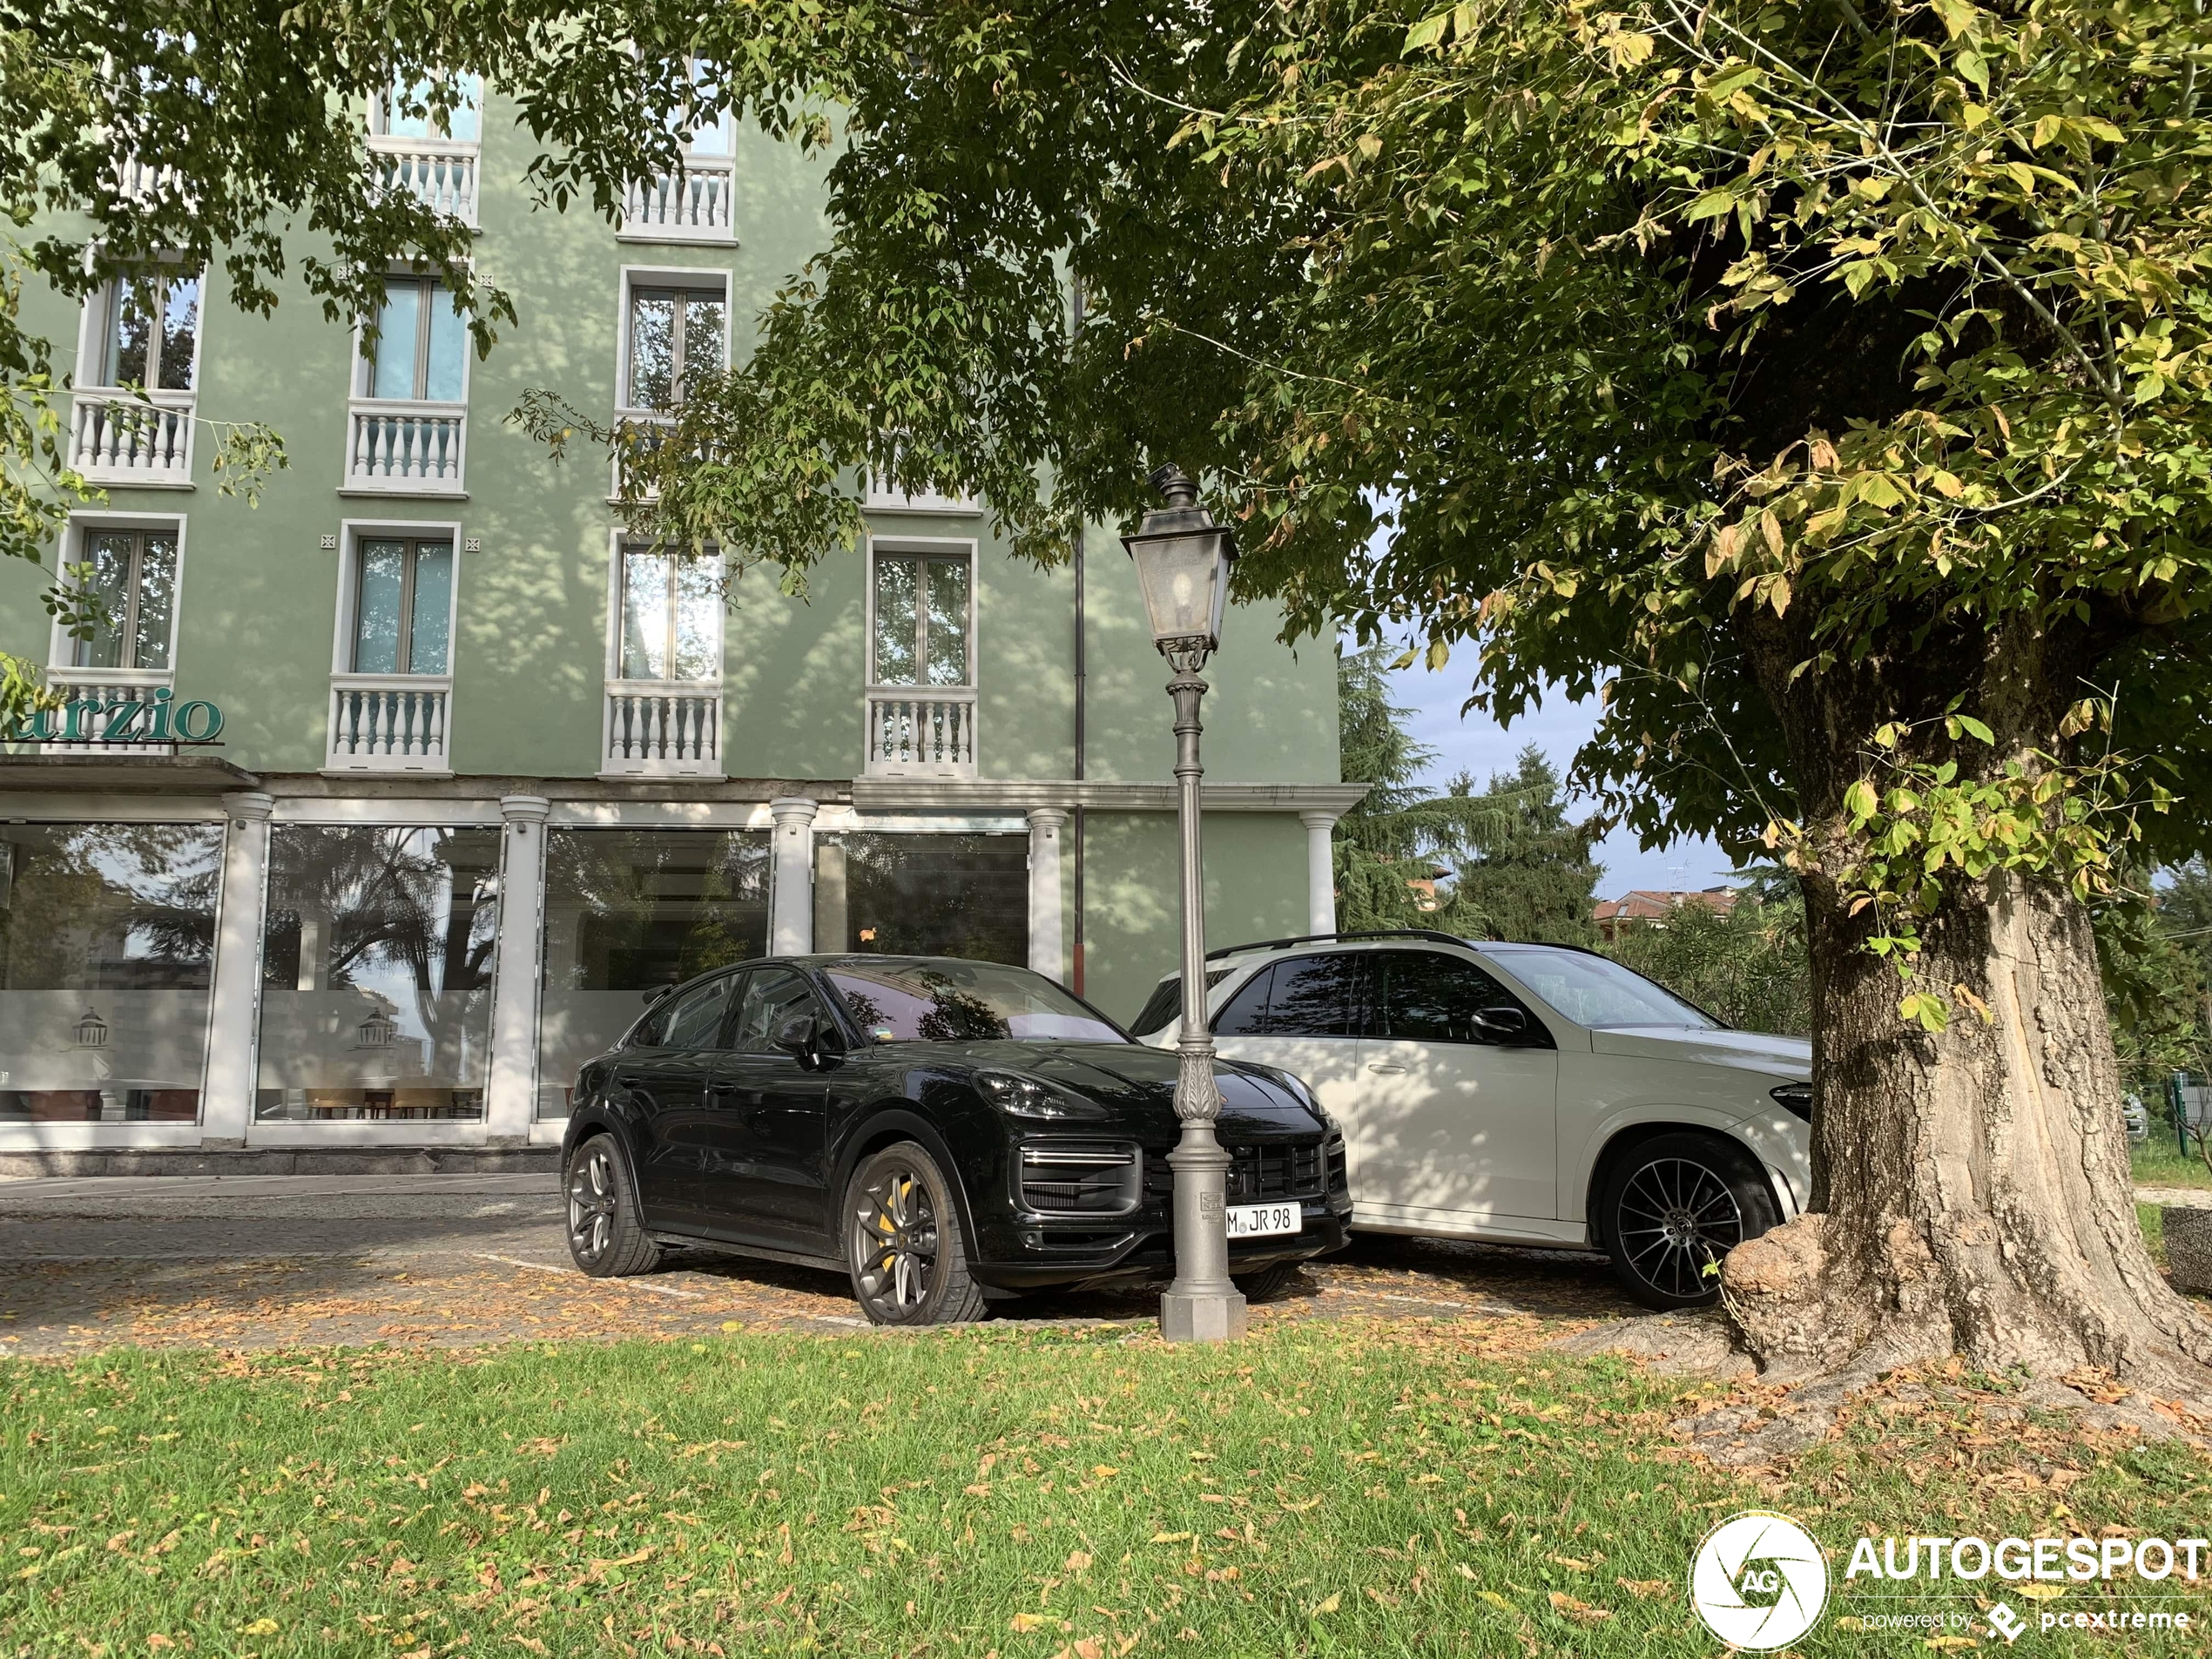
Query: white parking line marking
{"x": 633, "y": 1283}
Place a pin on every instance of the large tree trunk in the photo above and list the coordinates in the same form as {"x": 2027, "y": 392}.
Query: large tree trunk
{"x": 1972, "y": 1190}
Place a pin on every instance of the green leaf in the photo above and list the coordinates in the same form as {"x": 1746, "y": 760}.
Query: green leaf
{"x": 1977, "y": 728}
{"x": 1860, "y": 801}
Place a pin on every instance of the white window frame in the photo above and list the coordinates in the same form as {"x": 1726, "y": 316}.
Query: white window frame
{"x": 379, "y": 116}
{"x": 59, "y": 645}
{"x": 617, "y": 542}
{"x": 351, "y": 533}
{"x": 634, "y": 277}
{"x": 927, "y": 547}
{"x": 359, "y": 386}
{"x": 92, "y": 325}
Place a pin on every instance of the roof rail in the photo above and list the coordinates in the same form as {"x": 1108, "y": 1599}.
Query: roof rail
{"x": 1315, "y": 939}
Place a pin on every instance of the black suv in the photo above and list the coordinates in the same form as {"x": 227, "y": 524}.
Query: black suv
{"x": 936, "y": 1129}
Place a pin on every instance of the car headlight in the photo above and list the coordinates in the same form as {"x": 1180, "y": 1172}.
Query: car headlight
{"x": 1794, "y": 1098}
{"x": 1021, "y": 1096}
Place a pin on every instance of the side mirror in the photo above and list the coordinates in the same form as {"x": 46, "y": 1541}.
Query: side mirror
{"x": 1501, "y": 1025}
{"x": 795, "y": 1036}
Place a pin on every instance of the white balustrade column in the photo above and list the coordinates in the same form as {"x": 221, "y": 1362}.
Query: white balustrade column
{"x": 1320, "y": 873}
{"x": 790, "y": 915}
{"x": 1047, "y": 947}
{"x": 234, "y": 1000}
{"x": 510, "y": 1092}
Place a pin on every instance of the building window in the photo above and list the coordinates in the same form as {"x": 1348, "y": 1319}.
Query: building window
{"x": 671, "y": 616}
{"x": 922, "y": 619}
{"x": 376, "y": 973}
{"x": 676, "y": 335}
{"x": 107, "y": 937}
{"x": 627, "y": 911}
{"x": 132, "y": 574}
{"x": 420, "y": 350}
{"x": 903, "y": 894}
{"x": 404, "y": 112}
{"x": 402, "y": 606}
{"x": 146, "y": 333}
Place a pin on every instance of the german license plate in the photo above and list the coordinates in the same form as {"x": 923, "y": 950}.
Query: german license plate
{"x": 1262, "y": 1220}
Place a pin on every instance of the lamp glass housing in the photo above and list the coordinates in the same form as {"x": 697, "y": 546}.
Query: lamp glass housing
{"x": 1184, "y": 576}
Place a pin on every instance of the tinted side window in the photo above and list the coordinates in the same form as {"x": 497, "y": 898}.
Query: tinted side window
{"x": 695, "y": 1021}
{"x": 770, "y": 999}
{"x": 1315, "y": 996}
{"x": 1429, "y": 997}
{"x": 1246, "y": 1015}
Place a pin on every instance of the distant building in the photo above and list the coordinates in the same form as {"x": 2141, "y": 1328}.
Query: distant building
{"x": 1649, "y": 905}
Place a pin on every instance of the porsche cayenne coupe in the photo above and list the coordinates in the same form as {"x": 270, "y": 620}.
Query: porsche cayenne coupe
{"x": 945, "y": 1132}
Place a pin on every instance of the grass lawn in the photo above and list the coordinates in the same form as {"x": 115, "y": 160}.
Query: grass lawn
{"x": 1321, "y": 1488}
{"x": 2158, "y": 1163}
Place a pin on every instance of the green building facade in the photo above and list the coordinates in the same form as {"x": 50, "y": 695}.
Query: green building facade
{"x": 486, "y": 771}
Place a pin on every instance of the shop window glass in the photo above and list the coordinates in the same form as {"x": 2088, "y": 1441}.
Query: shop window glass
{"x": 628, "y": 911}
{"x": 107, "y": 935}
{"x": 376, "y": 972}
{"x": 923, "y": 895}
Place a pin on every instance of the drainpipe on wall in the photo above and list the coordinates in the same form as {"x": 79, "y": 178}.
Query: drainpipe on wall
{"x": 1082, "y": 687}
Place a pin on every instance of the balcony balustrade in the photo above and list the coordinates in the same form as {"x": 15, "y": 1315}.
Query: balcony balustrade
{"x": 663, "y": 729}
{"x": 118, "y": 437}
{"x": 390, "y": 723}
{"x": 920, "y": 731}
{"x": 440, "y": 173}
{"x": 93, "y": 697}
{"x": 691, "y": 203}
{"x": 406, "y": 448}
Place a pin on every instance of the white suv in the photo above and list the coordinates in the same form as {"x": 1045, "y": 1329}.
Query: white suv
{"x": 1526, "y": 1094}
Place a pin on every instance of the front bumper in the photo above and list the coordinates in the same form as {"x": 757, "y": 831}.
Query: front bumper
{"x": 1029, "y": 1252}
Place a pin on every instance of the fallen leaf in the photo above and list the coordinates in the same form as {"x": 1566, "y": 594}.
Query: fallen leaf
{"x": 1025, "y": 1623}
{"x": 1580, "y": 1612}
{"x": 1334, "y": 1601}
{"x": 1104, "y": 1471}
{"x": 1648, "y": 1589}
{"x": 1077, "y": 1561}
{"x": 2037, "y": 1592}
{"x": 1940, "y": 1642}
{"x": 733, "y": 1324}
{"x": 1173, "y": 1537}
{"x": 1495, "y": 1601}
{"x": 1569, "y": 1562}
{"x": 259, "y": 1628}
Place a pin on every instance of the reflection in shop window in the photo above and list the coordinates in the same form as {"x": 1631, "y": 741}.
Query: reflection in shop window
{"x": 107, "y": 933}
{"x": 885, "y": 893}
{"x": 626, "y": 911}
{"x": 376, "y": 973}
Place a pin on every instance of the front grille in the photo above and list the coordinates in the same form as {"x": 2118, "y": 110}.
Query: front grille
{"x": 1079, "y": 1178}
{"x": 1276, "y": 1169}
{"x": 1339, "y": 1173}
{"x": 1258, "y": 1172}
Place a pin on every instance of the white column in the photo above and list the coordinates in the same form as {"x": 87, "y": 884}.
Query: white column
{"x": 791, "y": 914}
{"x": 511, "y": 1091}
{"x": 234, "y": 1000}
{"x": 1320, "y": 873}
{"x": 1047, "y": 950}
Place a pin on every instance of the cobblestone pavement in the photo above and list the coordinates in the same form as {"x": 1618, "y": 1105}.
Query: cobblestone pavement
{"x": 282, "y": 1261}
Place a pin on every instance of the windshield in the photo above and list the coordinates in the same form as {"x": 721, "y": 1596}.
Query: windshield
{"x": 952, "y": 1002}
{"x": 1592, "y": 991}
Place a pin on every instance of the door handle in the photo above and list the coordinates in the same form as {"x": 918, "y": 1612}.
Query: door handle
{"x": 1383, "y": 1065}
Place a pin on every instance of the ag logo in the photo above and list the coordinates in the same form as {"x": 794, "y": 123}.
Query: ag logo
{"x": 1758, "y": 1581}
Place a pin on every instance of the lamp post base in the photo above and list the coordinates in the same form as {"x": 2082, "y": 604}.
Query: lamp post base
{"x": 1202, "y": 1316}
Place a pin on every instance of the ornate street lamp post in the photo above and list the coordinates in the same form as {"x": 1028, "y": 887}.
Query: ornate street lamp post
{"x": 1181, "y": 559}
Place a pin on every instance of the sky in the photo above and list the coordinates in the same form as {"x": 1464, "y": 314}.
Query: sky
{"x": 1479, "y": 744}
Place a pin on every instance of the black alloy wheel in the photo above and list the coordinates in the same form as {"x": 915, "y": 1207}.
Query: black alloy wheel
{"x": 904, "y": 1246}
{"x": 1673, "y": 1208}
{"x": 607, "y": 1238}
